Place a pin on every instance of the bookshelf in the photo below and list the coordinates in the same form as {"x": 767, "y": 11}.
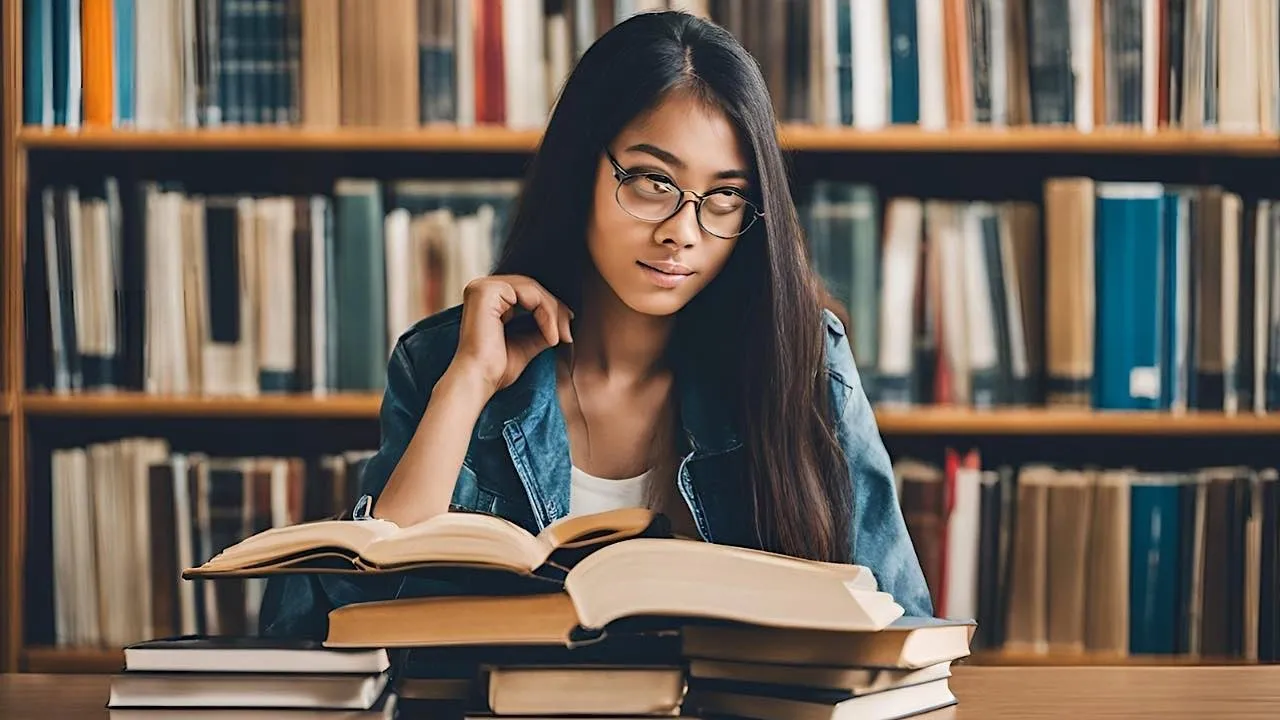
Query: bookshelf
{"x": 919, "y": 421}
{"x": 795, "y": 137}
{"x": 20, "y": 408}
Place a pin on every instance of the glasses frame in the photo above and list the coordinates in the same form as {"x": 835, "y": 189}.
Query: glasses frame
{"x": 751, "y": 212}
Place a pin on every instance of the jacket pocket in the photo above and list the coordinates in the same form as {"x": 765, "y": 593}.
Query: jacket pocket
{"x": 468, "y": 495}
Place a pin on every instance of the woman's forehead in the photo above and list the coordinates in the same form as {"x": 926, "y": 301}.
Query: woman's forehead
{"x": 694, "y": 133}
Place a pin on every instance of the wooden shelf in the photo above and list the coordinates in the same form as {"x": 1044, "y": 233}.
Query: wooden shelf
{"x": 442, "y": 139}
{"x": 916, "y": 421}
{"x": 331, "y": 407}
{"x": 1049, "y": 421}
{"x": 802, "y": 138}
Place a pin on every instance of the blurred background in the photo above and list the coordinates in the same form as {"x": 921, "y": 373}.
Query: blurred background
{"x": 1049, "y": 225}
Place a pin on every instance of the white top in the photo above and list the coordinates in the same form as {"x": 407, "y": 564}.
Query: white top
{"x": 591, "y": 494}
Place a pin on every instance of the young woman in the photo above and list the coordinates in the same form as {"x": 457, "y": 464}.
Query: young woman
{"x": 652, "y": 335}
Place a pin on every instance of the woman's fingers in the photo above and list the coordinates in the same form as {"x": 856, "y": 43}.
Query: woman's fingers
{"x": 542, "y": 305}
{"x": 553, "y": 317}
{"x": 506, "y": 295}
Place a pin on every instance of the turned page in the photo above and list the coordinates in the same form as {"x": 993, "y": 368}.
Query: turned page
{"x": 453, "y": 538}
{"x": 690, "y": 579}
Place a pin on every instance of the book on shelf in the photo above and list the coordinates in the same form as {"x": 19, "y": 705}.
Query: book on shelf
{"x": 171, "y": 508}
{"x": 1106, "y": 295}
{"x": 864, "y": 64}
{"x": 969, "y": 303}
{"x": 154, "y": 287}
{"x": 1068, "y": 559}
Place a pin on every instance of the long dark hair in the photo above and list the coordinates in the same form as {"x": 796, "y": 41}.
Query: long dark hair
{"x": 758, "y": 326}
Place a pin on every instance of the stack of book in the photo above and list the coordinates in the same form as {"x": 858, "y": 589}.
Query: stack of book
{"x": 780, "y": 674}
{"x": 207, "y": 677}
{"x": 612, "y": 615}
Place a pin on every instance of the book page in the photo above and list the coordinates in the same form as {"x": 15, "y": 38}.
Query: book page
{"x": 351, "y": 537}
{"x": 600, "y": 528}
{"x": 458, "y": 537}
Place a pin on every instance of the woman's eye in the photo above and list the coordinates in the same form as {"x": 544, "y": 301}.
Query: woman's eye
{"x": 725, "y": 202}
{"x": 654, "y": 185}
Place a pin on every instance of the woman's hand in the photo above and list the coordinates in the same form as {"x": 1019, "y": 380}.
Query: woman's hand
{"x": 490, "y": 354}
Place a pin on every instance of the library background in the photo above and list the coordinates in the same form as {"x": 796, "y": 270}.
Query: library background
{"x": 1053, "y": 225}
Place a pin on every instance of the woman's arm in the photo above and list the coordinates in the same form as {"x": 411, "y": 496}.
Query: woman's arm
{"x": 417, "y": 488}
{"x": 422, "y": 451}
{"x": 879, "y": 534}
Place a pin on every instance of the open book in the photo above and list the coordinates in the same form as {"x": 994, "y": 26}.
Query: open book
{"x": 449, "y": 539}
{"x": 638, "y": 578}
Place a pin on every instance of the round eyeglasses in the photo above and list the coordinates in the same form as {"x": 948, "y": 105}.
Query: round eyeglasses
{"x": 653, "y": 197}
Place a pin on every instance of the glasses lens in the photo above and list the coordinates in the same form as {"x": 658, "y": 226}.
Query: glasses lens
{"x": 647, "y": 198}
{"x": 722, "y": 213}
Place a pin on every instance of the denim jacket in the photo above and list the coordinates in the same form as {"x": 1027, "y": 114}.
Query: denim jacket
{"x": 517, "y": 466}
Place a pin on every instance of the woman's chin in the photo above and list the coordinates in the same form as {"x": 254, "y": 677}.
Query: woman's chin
{"x": 657, "y": 304}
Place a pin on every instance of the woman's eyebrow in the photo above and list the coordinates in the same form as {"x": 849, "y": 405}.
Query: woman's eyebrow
{"x": 677, "y": 163}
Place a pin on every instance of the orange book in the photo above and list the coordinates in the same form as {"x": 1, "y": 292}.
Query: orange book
{"x": 97, "y": 61}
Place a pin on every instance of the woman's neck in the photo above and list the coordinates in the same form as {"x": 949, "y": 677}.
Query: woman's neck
{"x": 612, "y": 340}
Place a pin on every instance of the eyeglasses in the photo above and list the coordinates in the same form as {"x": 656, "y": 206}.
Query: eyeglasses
{"x": 653, "y": 197}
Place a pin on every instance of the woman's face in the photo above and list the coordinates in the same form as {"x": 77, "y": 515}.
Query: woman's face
{"x": 656, "y": 267}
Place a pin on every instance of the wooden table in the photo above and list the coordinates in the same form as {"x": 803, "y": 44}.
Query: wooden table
{"x": 1031, "y": 693}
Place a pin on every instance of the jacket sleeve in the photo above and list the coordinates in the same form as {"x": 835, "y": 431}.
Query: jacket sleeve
{"x": 879, "y": 534}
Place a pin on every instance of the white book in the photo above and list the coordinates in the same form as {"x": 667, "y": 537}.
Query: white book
{"x": 961, "y": 584}
{"x": 930, "y": 44}
{"x": 870, "y": 22}
{"x": 899, "y": 268}
{"x": 1081, "y": 45}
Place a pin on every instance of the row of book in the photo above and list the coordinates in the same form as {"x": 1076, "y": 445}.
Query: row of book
{"x": 1113, "y": 295}
{"x": 1110, "y": 295}
{"x": 1191, "y": 64}
{"x": 117, "y": 521}
{"x": 155, "y": 64}
{"x": 155, "y": 288}
{"x": 1067, "y": 560}
{"x": 1048, "y": 558}
{"x": 597, "y": 615}
{"x": 934, "y": 63}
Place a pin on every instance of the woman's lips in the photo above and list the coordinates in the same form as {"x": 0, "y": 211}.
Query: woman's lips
{"x": 664, "y": 273}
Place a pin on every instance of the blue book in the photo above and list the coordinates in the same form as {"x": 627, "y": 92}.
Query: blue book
{"x": 66, "y": 63}
{"x": 1176, "y": 277}
{"x": 1128, "y": 252}
{"x": 360, "y": 307}
{"x": 125, "y": 53}
{"x": 1154, "y": 563}
{"x": 904, "y": 63}
{"x": 37, "y": 62}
